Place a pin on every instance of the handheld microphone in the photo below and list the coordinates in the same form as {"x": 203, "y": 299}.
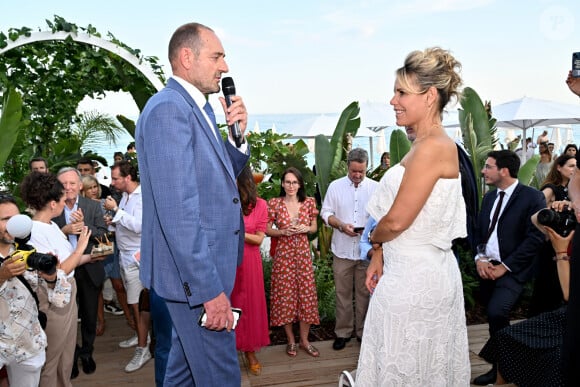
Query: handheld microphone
{"x": 229, "y": 91}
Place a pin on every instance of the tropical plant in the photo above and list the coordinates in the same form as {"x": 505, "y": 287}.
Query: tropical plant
{"x": 478, "y": 130}
{"x": 10, "y": 123}
{"x": 330, "y": 163}
{"x": 53, "y": 77}
{"x": 330, "y": 156}
{"x": 399, "y": 146}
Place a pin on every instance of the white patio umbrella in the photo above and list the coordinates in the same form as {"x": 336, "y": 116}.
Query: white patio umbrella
{"x": 325, "y": 124}
{"x": 528, "y": 112}
{"x": 556, "y": 139}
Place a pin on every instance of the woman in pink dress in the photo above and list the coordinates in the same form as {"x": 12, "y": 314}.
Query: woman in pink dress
{"x": 248, "y": 294}
{"x": 293, "y": 292}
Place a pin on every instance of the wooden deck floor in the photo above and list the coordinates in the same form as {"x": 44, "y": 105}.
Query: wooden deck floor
{"x": 278, "y": 368}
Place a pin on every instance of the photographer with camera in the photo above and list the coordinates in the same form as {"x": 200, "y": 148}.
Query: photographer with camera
{"x": 44, "y": 194}
{"x": 547, "y": 294}
{"x": 22, "y": 339}
{"x": 571, "y": 342}
{"x": 528, "y": 353}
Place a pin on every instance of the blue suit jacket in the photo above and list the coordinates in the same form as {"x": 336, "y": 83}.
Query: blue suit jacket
{"x": 192, "y": 237}
{"x": 519, "y": 240}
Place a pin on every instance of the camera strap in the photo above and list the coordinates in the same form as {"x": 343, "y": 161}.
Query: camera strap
{"x": 41, "y": 315}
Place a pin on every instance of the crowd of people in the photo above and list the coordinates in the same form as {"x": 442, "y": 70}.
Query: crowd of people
{"x": 181, "y": 248}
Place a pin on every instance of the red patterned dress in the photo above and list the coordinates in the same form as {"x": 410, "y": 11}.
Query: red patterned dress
{"x": 293, "y": 290}
{"x": 248, "y": 294}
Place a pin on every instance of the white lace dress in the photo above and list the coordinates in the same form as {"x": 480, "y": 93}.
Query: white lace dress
{"x": 415, "y": 332}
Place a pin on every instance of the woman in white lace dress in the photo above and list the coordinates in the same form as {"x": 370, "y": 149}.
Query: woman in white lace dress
{"x": 415, "y": 332}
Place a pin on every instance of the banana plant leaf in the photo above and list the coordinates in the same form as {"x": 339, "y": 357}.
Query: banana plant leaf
{"x": 399, "y": 146}
{"x": 9, "y": 123}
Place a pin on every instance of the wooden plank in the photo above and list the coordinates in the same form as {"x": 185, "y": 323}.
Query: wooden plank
{"x": 278, "y": 369}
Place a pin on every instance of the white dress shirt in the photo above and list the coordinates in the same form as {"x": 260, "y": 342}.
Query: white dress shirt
{"x": 127, "y": 222}
{"x": 492, "y": 248}
{"x": 347, "y": 203}
{"x": 200, "y": 100}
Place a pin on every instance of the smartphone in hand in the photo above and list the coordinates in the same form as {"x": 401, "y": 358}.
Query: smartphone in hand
{"x": 358, "y": 229}
{"x": 576, "y": 65}
{"x": 203, "y": 317}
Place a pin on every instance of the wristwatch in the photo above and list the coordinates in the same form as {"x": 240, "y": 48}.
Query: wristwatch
{"x": 340, "y": 227}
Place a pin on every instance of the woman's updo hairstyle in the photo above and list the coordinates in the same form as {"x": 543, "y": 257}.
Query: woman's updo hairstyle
{"x": 433, "y": 67}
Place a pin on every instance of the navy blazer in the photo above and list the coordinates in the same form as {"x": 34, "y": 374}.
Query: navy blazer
{"x": 193, "y": 232}
{"x": 519, "y": 240}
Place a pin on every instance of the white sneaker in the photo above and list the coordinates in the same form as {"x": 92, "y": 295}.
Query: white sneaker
{"x": 133, "y": 341}
{"x": 142, "y": 356}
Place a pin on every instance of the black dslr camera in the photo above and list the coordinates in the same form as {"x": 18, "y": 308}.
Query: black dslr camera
{"x": 562, "y": 222}
{"x": 19, "y": 227}
{"x": 45, "y": 263}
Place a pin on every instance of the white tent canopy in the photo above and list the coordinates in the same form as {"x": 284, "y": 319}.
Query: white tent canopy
{"x": 528, "y": 112}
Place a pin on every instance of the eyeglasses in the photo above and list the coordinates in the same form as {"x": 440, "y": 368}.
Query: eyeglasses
{"x": 487, "y": 166}
{"x": 291, "y": 182}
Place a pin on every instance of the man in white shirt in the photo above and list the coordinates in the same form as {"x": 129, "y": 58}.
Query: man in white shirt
{"x": 344, "y": 208}
{"x": 127, "y": 222}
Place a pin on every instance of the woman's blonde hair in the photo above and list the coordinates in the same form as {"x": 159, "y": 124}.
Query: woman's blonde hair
{"x": 433, "y": 67}
{"x": 87, "y": 181}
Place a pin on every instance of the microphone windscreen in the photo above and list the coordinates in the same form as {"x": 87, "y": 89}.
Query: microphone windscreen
{"x": 19, "y": 226}
{"x": 228, "y": 86}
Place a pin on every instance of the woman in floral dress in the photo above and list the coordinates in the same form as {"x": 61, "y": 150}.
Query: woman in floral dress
{"x": 293, "y": 290}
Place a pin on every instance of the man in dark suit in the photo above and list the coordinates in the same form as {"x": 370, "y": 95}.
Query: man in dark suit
{"x": 509, "y": 238}
{"x": 193, "y": 233}
{"x": 90, "y": 276}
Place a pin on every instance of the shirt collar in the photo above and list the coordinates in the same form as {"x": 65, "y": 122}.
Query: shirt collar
{"x": 199, "y": 98}
{"x": 510, "y": 190}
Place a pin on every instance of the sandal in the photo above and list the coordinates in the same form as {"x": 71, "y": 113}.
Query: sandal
{"x": 255, "y": 369}
{"x": 291, "y": 350}
{"x": 311, "y": 350}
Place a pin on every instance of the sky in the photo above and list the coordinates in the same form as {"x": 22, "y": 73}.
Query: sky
{"x": 317, "y": 56}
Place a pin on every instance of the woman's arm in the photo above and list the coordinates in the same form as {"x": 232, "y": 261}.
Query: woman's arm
{"x": 425, "y": 164}
{"x": 549, "y": 195}
{"x": 254, "y": 239}
{"x": 77, "y": 257}
{"x": 560, "y": 245}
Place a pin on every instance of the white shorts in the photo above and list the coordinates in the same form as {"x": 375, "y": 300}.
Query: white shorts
{"x": 133, "y": 285}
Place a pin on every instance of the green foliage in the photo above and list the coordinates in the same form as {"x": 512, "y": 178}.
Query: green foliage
{"x": 9, "y": 123}
{"x": 399, "y": 146}
{"x": 53, "y": 77}
{"x": 478, "y": 129}
{"x": 469, "y": 277}
{"x": 325, "y": 290}
{"x": 330, "y": 156}
{"x": 527, "y": 172}
{"x": 271, "y": 154}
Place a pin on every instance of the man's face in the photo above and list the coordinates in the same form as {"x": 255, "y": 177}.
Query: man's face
{"x": 86, "y": 169}
{"x": 117, "y": 181}
{"x": 490, "y": 172}
{"x": 206, "y": 70}
{"x": 356, "y": 172}
{"x": 72, "y": 185}
{"x": 38, "y": 166}
{"x": 7, "y": 211}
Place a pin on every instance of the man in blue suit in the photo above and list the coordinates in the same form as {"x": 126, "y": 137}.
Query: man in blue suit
{"x": 192, "y": 237}
{"x": 510, "y": 238}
